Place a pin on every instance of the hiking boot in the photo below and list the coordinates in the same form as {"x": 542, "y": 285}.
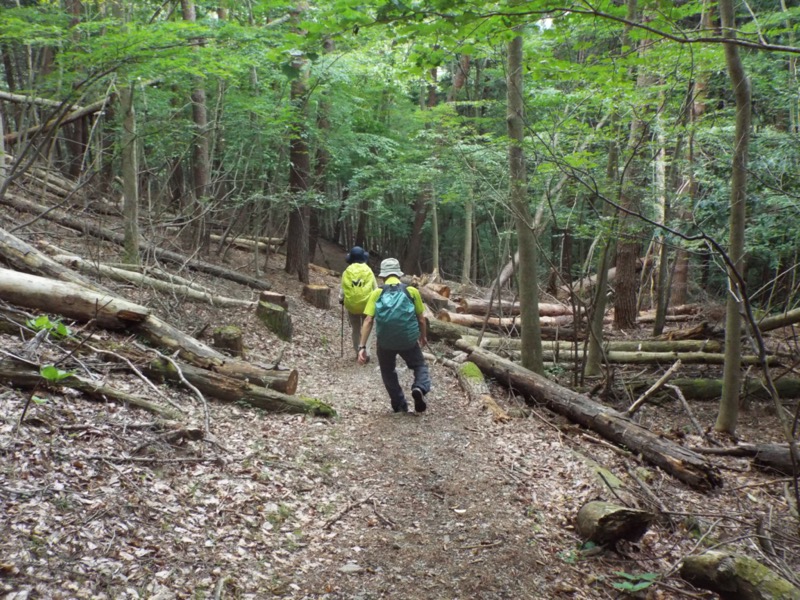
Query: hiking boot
{"x": 400, "y": 408}
{"x": 419, "y": 400}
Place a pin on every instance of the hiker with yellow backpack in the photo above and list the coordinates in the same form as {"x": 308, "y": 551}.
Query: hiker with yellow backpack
{"x": 358, "y": 282}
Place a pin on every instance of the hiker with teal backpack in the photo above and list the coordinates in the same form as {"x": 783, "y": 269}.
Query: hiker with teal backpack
{"x": 396, "y": 309}
{"x": 358, "y": 282}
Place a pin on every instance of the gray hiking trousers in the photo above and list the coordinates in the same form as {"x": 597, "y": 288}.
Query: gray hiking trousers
{"x": 356, "y": 321}
{"x": 387, "y": 359}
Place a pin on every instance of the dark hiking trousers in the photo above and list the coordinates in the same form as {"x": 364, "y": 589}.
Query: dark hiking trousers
{"x": 387, "y": 359}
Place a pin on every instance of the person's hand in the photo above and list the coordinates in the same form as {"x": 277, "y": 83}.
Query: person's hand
{"x": 423, "y": 341}
{"x": 341, "y": 300}
{"x": 362, "y": 357}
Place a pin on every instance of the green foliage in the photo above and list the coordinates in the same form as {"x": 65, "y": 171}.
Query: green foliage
{"x": 633, "y": 583}
{"x": 55, "y": 328}
{"x": 53, "y": 374}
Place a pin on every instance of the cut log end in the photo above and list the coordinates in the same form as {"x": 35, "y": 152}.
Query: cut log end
{"x": 606, "y": 523}
{"x": 276, "y": 319}
{"x": 318, "y": 296}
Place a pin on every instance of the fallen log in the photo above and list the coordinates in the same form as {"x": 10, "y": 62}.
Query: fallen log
{"x": 228, "y": 389}
{"x": 246, "y": 243}
{"x": 84, "y": 226}
{"x": 480, "y": 306}
{"x": 23, "y": 257}
{"x": 75, "y": 302}
{"x": 767, "y": 456}
{"x": 788, "y": 318}
{"x": 473, "y": 383}
{"x": 655, "y": 358}
{"x": 69, "y": 299}
{"x": 138, "y": 279}
{"x": 443, "y": 331}
{"x": 192, "y": 350}
{"x": 685, "y": 465}
{"x": 711, "y": 389}
{"x": 433, "y": 298}
{"x": 606, "y": 523}
{"x": 502, "y": 324}
{"x": 440, "y": 288}
{"x": 26, "y": 376}
{"x": 736, "y": 577}
{"x": 618, "y": 345}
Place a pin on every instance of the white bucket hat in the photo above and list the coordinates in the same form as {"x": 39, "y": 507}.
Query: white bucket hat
{"x": 390, "y": 266}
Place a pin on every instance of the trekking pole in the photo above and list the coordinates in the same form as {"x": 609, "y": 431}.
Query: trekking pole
{"x": 341, "y": 345}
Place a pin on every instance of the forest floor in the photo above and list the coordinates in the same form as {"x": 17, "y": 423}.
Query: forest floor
{"x": 447, "y": 504}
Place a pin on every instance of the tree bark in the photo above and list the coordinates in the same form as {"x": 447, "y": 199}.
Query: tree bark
{"x": 69, "y": 300}
{"x": 24, "y": 257}
{"x": 25, "y": 376}
{"x": 89, "y": 228}
{"x": 736, "y": 577}
{"x": 606, "y": 523}
{"x": 732, "y": 376}
{"x": 318, "y": 296}
{"x": 297, "y": 235}
{"x": 526, "y": 236}
{"x": 683, "y": 464}
{"x": 183, "y": 291}
{"x": 235, "y": 390}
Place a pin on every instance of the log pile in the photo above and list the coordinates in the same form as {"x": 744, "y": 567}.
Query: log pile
{"x": 223, "y": 377}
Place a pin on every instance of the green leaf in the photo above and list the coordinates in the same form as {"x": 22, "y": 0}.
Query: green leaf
{"x": 53, "y": 374}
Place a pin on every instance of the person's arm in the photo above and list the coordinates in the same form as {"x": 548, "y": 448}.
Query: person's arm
{"x": 423, "y": 330}
{"x": 366, "y": 328}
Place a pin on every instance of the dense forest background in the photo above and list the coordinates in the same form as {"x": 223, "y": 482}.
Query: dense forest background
{"x": 471, "y": 140}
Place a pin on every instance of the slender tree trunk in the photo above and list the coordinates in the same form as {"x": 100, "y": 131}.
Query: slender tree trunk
{"x": 528, "y": 254}
{"x": 594, "y": 351}
{"x": 466, "y": 265}
{"x": 201, "y": 161}
{"x": 729, "y": 404}
{"x": 130, "y": 176}
{"x": 297, "y": 235}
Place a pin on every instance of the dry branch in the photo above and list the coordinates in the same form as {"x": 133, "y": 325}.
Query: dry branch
{"x": 25, "y": 376}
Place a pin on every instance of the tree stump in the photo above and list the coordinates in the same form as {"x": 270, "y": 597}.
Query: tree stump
{"x": 606, "y": 523}
{"x": 276, "y": 319}
{"x": 274, "y": 298}
{"x": 736, "y": 577}
{"x": 317, "y": 295}
{"x": 229, "y": 338}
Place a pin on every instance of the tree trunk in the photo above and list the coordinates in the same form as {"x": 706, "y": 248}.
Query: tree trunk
{"x": 683, "y": 464}
{"x": 235, "y": 390}
{"x": 69, "y": 300}
{"x": 26, "y": 376}
{"x": 84, "y": 226}
{"x": 736, "y": 577}
{"x": 130, "y": 176}
{"x": 138, "y": 279}
{"x": 276, "y": 319}
{"x": 318, "y": 296}
{"x": 605, "y": 523}
{"x": 24, "y": 257}
{"x": 201, "y": 160}
{"x": 526, "y": 237}
{"x": 297, "y": 235}
{"x": 732, "y": 376}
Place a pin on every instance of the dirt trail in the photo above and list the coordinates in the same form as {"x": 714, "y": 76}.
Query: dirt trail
{"x": 445, "y": 504}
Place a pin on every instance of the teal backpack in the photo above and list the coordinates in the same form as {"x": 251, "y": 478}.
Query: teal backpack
{"x": 396, "y": 318}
